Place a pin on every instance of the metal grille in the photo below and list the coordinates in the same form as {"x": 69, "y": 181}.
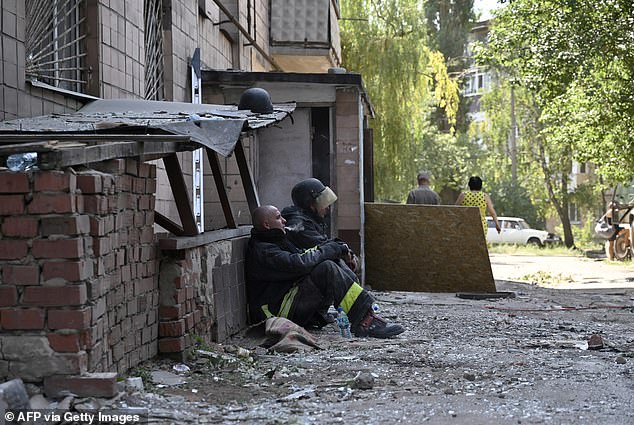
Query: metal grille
{"x": 153, "y": 50}
{"x": 55, "y": 52}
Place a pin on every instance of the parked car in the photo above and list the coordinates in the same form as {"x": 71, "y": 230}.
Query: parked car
{"x": 517, "y": 231}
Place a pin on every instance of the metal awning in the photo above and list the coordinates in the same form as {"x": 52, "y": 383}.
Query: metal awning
{"x": 216, "y": 127}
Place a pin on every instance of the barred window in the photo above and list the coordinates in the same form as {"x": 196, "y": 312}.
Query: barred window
{"x": 55, "y": 47}
{"x": 153, "y": 11}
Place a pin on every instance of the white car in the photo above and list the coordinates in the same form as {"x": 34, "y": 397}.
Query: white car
{"x": 517, "y": 231}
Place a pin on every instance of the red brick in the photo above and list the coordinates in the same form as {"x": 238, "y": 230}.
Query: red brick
{"x": 171, "y": 311}
{"x": 71, "y": 271}
{"x": 55, "y": 181}
{"x": 64, "y": 343}
{"x": 11, "y": 204}
{"x": 101, "y": 246}
{"x": 144, "y": 169}
{"x": 13, "y": 249}
{"x": 14, "y": 183}
{"x": 58, "y": 248}
{"x": 65, "y": 225}
{"x": 21, "y": 275}
{"x": 150, "y": 186}
{"x": 189, "y": 322}
{"x": 21, "y": 227}
{"x": 172, "y": 345}
{"x": 69, "y": 319}
{"x": 31, "y": 318}
{"x": 87, "y": 385}
{"x": 173, "y": 328}
{"x": 95, "y": 204}
{"x": 54, "y": 295}
{"x": 8, "y": 295}
{"x": 89, "y": 183}
{"x": 49, "y": 203}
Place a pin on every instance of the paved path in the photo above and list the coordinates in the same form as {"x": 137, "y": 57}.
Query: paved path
{"x": 564, "y": 272}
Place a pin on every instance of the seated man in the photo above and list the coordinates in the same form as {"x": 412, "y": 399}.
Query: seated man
{"x": 306, "y": 225}
{"x": 285, "y": 281}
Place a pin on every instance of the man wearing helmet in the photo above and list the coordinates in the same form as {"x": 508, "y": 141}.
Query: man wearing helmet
{"x": 305, "y": 219}
{"x": 285, "y": 281}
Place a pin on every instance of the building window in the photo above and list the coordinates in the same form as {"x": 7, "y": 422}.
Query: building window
{"x": 55, "y": 48}
{"x": 583, "y": 168}
{"x": 153, "y": 12}
{"x": 573, "y": 214}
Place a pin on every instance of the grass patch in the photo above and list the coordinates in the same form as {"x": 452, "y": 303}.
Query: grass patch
{"x": 534, "y": 250}
{"x": 546, "y": 279}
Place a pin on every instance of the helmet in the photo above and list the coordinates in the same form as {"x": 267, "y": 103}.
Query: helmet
{"x": 311, "y": 192}
{"x": 257, "y": 100}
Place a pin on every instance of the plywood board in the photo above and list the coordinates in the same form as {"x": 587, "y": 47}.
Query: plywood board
{"x": 426, "y": 248}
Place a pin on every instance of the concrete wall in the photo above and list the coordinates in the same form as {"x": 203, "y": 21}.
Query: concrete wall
{"x": 284, "y": 159}
{"x": 349, "y": 166}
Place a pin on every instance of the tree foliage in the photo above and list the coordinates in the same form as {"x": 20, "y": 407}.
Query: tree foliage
{"x": 573, "y": 62}
{"x": 386, "y": 41}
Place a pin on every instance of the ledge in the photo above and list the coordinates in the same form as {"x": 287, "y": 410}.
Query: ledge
{"x": 175, "y": 243}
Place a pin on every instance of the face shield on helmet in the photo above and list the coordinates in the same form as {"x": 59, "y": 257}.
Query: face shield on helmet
{"x": 325, "y": 199}
{"x": 311, "y": 193}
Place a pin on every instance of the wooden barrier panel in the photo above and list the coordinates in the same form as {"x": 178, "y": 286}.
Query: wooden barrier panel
{"x": 426, "y": 248}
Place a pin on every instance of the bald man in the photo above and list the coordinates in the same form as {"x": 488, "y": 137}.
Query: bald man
{"x": 285, "y": 281}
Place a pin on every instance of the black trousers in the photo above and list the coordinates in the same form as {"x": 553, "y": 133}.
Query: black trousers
{"x": 329, "y": 283}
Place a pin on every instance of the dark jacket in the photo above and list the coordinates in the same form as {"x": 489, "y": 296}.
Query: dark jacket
{"x": 305, "y": 228}
{"x": 273, "y": 265}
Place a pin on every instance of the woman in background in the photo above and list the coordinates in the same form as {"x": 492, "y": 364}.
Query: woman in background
{"x": 476, "y": 198}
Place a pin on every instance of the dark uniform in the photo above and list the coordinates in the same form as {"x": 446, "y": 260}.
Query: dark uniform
{"x": 305, "y": 228}
{"x": 284, "y": 281}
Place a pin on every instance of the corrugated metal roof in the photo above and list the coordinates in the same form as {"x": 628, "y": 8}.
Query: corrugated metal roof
{"x": 217, "y": 127}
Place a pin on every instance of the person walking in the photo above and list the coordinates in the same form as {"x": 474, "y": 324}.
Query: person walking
{"x": 423, "y": 194}
{"x": 476, "y": 198}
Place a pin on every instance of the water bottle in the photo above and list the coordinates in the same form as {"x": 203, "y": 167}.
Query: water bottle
{"x": 344, "y": 323}
{"x": 375, "y": 308}
{"x": 21, "y": 161}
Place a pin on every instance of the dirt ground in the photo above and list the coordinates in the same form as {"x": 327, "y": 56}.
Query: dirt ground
{"x": 521, "y": 360}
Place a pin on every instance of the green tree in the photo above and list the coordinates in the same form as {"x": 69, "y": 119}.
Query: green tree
{"x": 386, "y": 42}
{"x": 575, "y": 60}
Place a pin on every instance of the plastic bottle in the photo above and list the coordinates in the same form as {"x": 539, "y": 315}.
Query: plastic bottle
{"x": 21, "y": 161}
{"x": 344, "y": 323}
{"x": 375, "y": 308}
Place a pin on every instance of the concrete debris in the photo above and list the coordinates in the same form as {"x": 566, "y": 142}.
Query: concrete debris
{"x": 161, "y": 377}
{"x": 595, "y": 342}
{"x": 134, "y": 384}
{"x": 13, "y": 395}
{"x": 363, "y": 381}
{"x": 621, "y": 360}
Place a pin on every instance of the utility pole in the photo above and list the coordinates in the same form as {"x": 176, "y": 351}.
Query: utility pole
{"x": 513, "y": 139}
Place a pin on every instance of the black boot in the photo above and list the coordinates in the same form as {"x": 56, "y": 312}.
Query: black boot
{"x": 376, "y": 327}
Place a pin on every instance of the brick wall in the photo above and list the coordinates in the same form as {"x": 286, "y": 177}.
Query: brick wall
{"x": 348, "y": 168}
{"x": 78, "y": 281}
{"x": 203, "y": 294}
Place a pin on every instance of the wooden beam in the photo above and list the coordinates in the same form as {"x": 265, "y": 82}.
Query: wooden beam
{"x": 168, "y": 224}
{"x": 247, "y": 180}
{"x": 214, "y": 163}
{"x": 185, "y": 242}
{"x": 181, "y": 194}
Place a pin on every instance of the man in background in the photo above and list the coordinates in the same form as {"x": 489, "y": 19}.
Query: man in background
{"x": 423, "y": 194}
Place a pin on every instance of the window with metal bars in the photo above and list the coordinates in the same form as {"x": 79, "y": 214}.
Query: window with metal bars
{"x": 153, "y": 12}
{"x": 55, "y": 48}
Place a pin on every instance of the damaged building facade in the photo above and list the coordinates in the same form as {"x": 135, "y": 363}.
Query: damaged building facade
{"x": 127, "y": 240}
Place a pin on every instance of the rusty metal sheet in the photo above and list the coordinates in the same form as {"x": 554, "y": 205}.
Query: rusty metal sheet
{"x": 426, "y": 248}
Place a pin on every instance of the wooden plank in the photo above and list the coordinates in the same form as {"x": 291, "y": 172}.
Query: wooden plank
{"x": 168, "y": 224}
{"x": 216, "y": 171}
{"x": 426, "y": 248}
{"x": 250, "y": 190}
{"x": 185, "y": 242}
{"x": 181, "y": 194}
